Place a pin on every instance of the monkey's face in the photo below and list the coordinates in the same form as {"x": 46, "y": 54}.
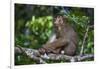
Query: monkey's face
{"x": 58, "y": 21}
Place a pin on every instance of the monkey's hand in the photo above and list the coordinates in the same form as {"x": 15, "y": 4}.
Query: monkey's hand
{"x": 42, "y": 50}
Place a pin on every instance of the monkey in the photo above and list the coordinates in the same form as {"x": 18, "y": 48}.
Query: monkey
{"x": 65, "y": 40}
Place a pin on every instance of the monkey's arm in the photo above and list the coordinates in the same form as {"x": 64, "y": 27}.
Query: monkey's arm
{"x": 58, "y": 43}
{"x": 54, "y": 46}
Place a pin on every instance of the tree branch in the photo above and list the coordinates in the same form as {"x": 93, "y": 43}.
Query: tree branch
{"x": 36, "y": 56}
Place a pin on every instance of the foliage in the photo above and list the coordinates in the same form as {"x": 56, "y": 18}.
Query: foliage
{"x": 34, "y": 27}
{"x": 40, "y": 29}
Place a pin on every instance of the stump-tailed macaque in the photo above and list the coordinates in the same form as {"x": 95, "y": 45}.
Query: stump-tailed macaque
{"x": 65, "y": 40}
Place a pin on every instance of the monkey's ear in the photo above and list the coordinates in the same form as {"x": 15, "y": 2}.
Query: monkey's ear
{"x": 65, "y": 18}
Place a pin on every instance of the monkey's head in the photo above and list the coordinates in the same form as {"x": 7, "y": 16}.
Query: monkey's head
{"x": 59, "y": 20}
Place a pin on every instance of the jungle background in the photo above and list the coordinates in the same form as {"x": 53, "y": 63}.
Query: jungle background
{"x": 33, "y": 27}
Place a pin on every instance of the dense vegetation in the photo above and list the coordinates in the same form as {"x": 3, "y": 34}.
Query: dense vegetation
{"x": 33, "y": 27}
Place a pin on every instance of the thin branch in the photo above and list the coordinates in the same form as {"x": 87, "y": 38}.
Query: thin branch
{"x": 86, "y": 34}
{"x": 36, "y": 56}
{"x": 91, "y": 26}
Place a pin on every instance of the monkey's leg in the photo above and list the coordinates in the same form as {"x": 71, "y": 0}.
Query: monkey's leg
{"x": 70, "y": 49}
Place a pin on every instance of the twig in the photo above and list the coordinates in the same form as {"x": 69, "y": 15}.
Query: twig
{"x": 86, "y": 34}
{"x": 91, "y": 26}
